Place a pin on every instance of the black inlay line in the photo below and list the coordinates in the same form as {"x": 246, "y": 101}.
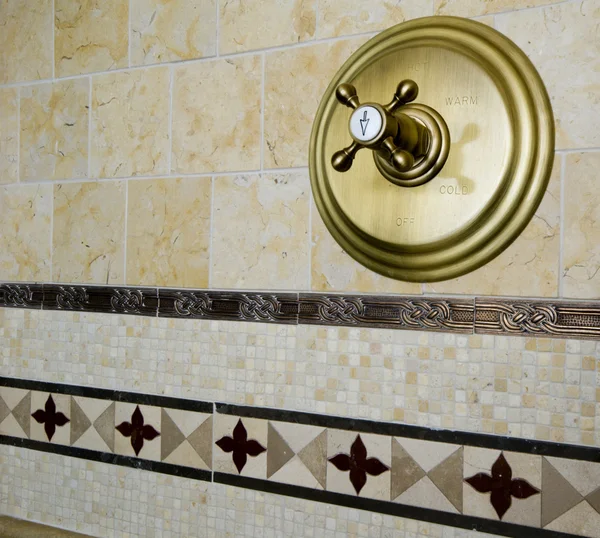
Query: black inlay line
{"x": 483, "y": 440}
{"x": 390, "y": 508}
{"x": 105, "y": 457}
{"x": 107, "y": 394}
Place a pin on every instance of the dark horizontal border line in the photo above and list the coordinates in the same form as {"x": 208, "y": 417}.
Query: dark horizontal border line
{"x": 105, "y": 457}
{"x": 438, "y": 517}
{"x": 107, "y": 394}
{"x": 483, "y": 440}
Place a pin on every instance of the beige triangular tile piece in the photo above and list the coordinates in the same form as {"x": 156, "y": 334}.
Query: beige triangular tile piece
{"x": 582, "y": 520}
{"x": 4, "y": 409}
{"x": 594, "y": 500}
{"x": 105, "y": 426}
{"x": 448, "y": 478}
{"x": 170, "y": 435}
{"x": 92, "y": 407}
{"x": 91, "y": 440}
{"x": 405, "y": 470}
{"x": 426, "y": 495}
{"x": 201, "y": 441}
{"x": 10, "y": 426}
{"x": 185, "y": 454}
{"x": 584, "y": 476}
{"x": 558, "y": 495}
{"x": 296, "y": 473}
{"x": 314, "y": 456}
{"x": 12, "y": 396}
{"x": 79, "y": 421}
{"x": 297, "y": 436}
{"x": 187, "y": 421}
{"x": 278, "y": 451}
{"x": 427, "y": 454}
{"x": 22, "y": 412}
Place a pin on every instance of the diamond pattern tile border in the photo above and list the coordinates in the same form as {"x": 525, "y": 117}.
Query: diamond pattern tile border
{"x": 505, "y": 486}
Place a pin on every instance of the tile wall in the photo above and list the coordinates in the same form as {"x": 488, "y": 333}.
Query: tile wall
{"x": 145, "y": 142}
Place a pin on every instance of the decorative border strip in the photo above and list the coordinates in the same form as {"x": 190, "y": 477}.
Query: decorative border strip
{"x": 438, "y": 476}
{"x": 541, "y": 318}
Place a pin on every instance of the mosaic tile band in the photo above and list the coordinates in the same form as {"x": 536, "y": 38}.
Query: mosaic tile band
{"x": 540, "y": 318}
{"x": 505, "y": 486}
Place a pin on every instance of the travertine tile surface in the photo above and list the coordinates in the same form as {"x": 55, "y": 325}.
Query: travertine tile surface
{"x": 54, "y": 130}
{"x": 261, "y": 231}
{"x": 9, "y": 135}
{"x": 25, "y": 40}
{"x": 168, "y": 232}
{"x": 474, "y": 8}
{"x": 268, "y": 23}
{"x": 295, "y": 81}
{"x": 130, "y": 123}
{"x": 347, "y": 17}
{"x": 173, "y": 30}
{"x": 216, "y": 115}
{"x": 566, "y": 52}
{"x": 529, "y": 266}
{"x": 25, "y": 218}
{"x": 90, "y": 36}
{"x": 88, "y": 232}
{"x": 581, "y": 257}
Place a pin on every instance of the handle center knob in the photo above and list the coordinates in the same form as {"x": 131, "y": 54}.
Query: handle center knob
{"x": 365, "y": 123}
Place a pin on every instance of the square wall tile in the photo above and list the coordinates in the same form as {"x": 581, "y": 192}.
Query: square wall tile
{"x": 54, "y": 130}
{"x": 346, "y": 17}
{"x": 168, "y": 232}
{"x": 88, "y": 233}
{"x": 50, "y": 418}
{"x": 268, "y": 23}
{"x": 529, "y": 266}
{"x": 25, "y": 217}
{"x": 581, "y": 256}
{"x": 171, "y": 31}
{"x": 90, "y": 36}
{"x": 269, "y": 249}
{"x": 216, "y": 116}
{"x": 474, "y": 8}
{"x": 334, "y": 270}
{"x": 25, "y": 41}
{"x": 130, "y": 123}
{"x": 138, "y": 430}
{"x": 295, "y": 80}
{"x": 566, "y": 52}
{"x": 9, "y": 135}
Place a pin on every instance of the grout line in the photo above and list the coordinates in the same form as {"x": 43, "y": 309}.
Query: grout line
{"x": 52, "y": 234}
{"x": 18, "y": 136}
{"x": 212, "y": 452}
{"x": 89, "y": 168}
{"x": 53, "y": 39}
{"x": 129, "y": 34}
{"x": 563, "y": 168}
{"x": 310, "y": 241}
{"x": 262, "y": 113}
{"x": 211, "y": 231}
{"x": 126, "y": 225}
{"x": 576, "y": 150}
{"x": 170, "y": 127}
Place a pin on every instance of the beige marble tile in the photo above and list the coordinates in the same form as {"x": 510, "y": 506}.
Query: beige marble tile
{"x": 240, "y": 430}
{"x": 346, "y": 17}
{"x": 25, "y": 217}
{"x": 127, "y": 418}
{"x": 216, "y": 116}
{"x": 334, "y": 270}
{"x": 88, "y": 232}
{"x": 269, "y": 249}
{"x": 168, "y": 232}
{"x": 473, "y": 8}
{"x": 168, "y": 31}
{"x": 9, "y": 135}
{"x": 90, "y": 36}
{"x": 291, "y": 102}
{"x": 582, "y": 520}
{"x": 130, "y": 123}
{"x": 581, "y": 256}
{"x": 529, "y": 266}
{"x": 54, "y": 130}
{"x": 268, "y": 23}
{"x": 25, "y": 40}
{"x": 566, "y": 52}
{"x": 348, "y": 443}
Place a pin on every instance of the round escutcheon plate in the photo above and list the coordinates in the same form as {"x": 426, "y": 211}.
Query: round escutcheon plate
{"x": 501, "y": 152}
